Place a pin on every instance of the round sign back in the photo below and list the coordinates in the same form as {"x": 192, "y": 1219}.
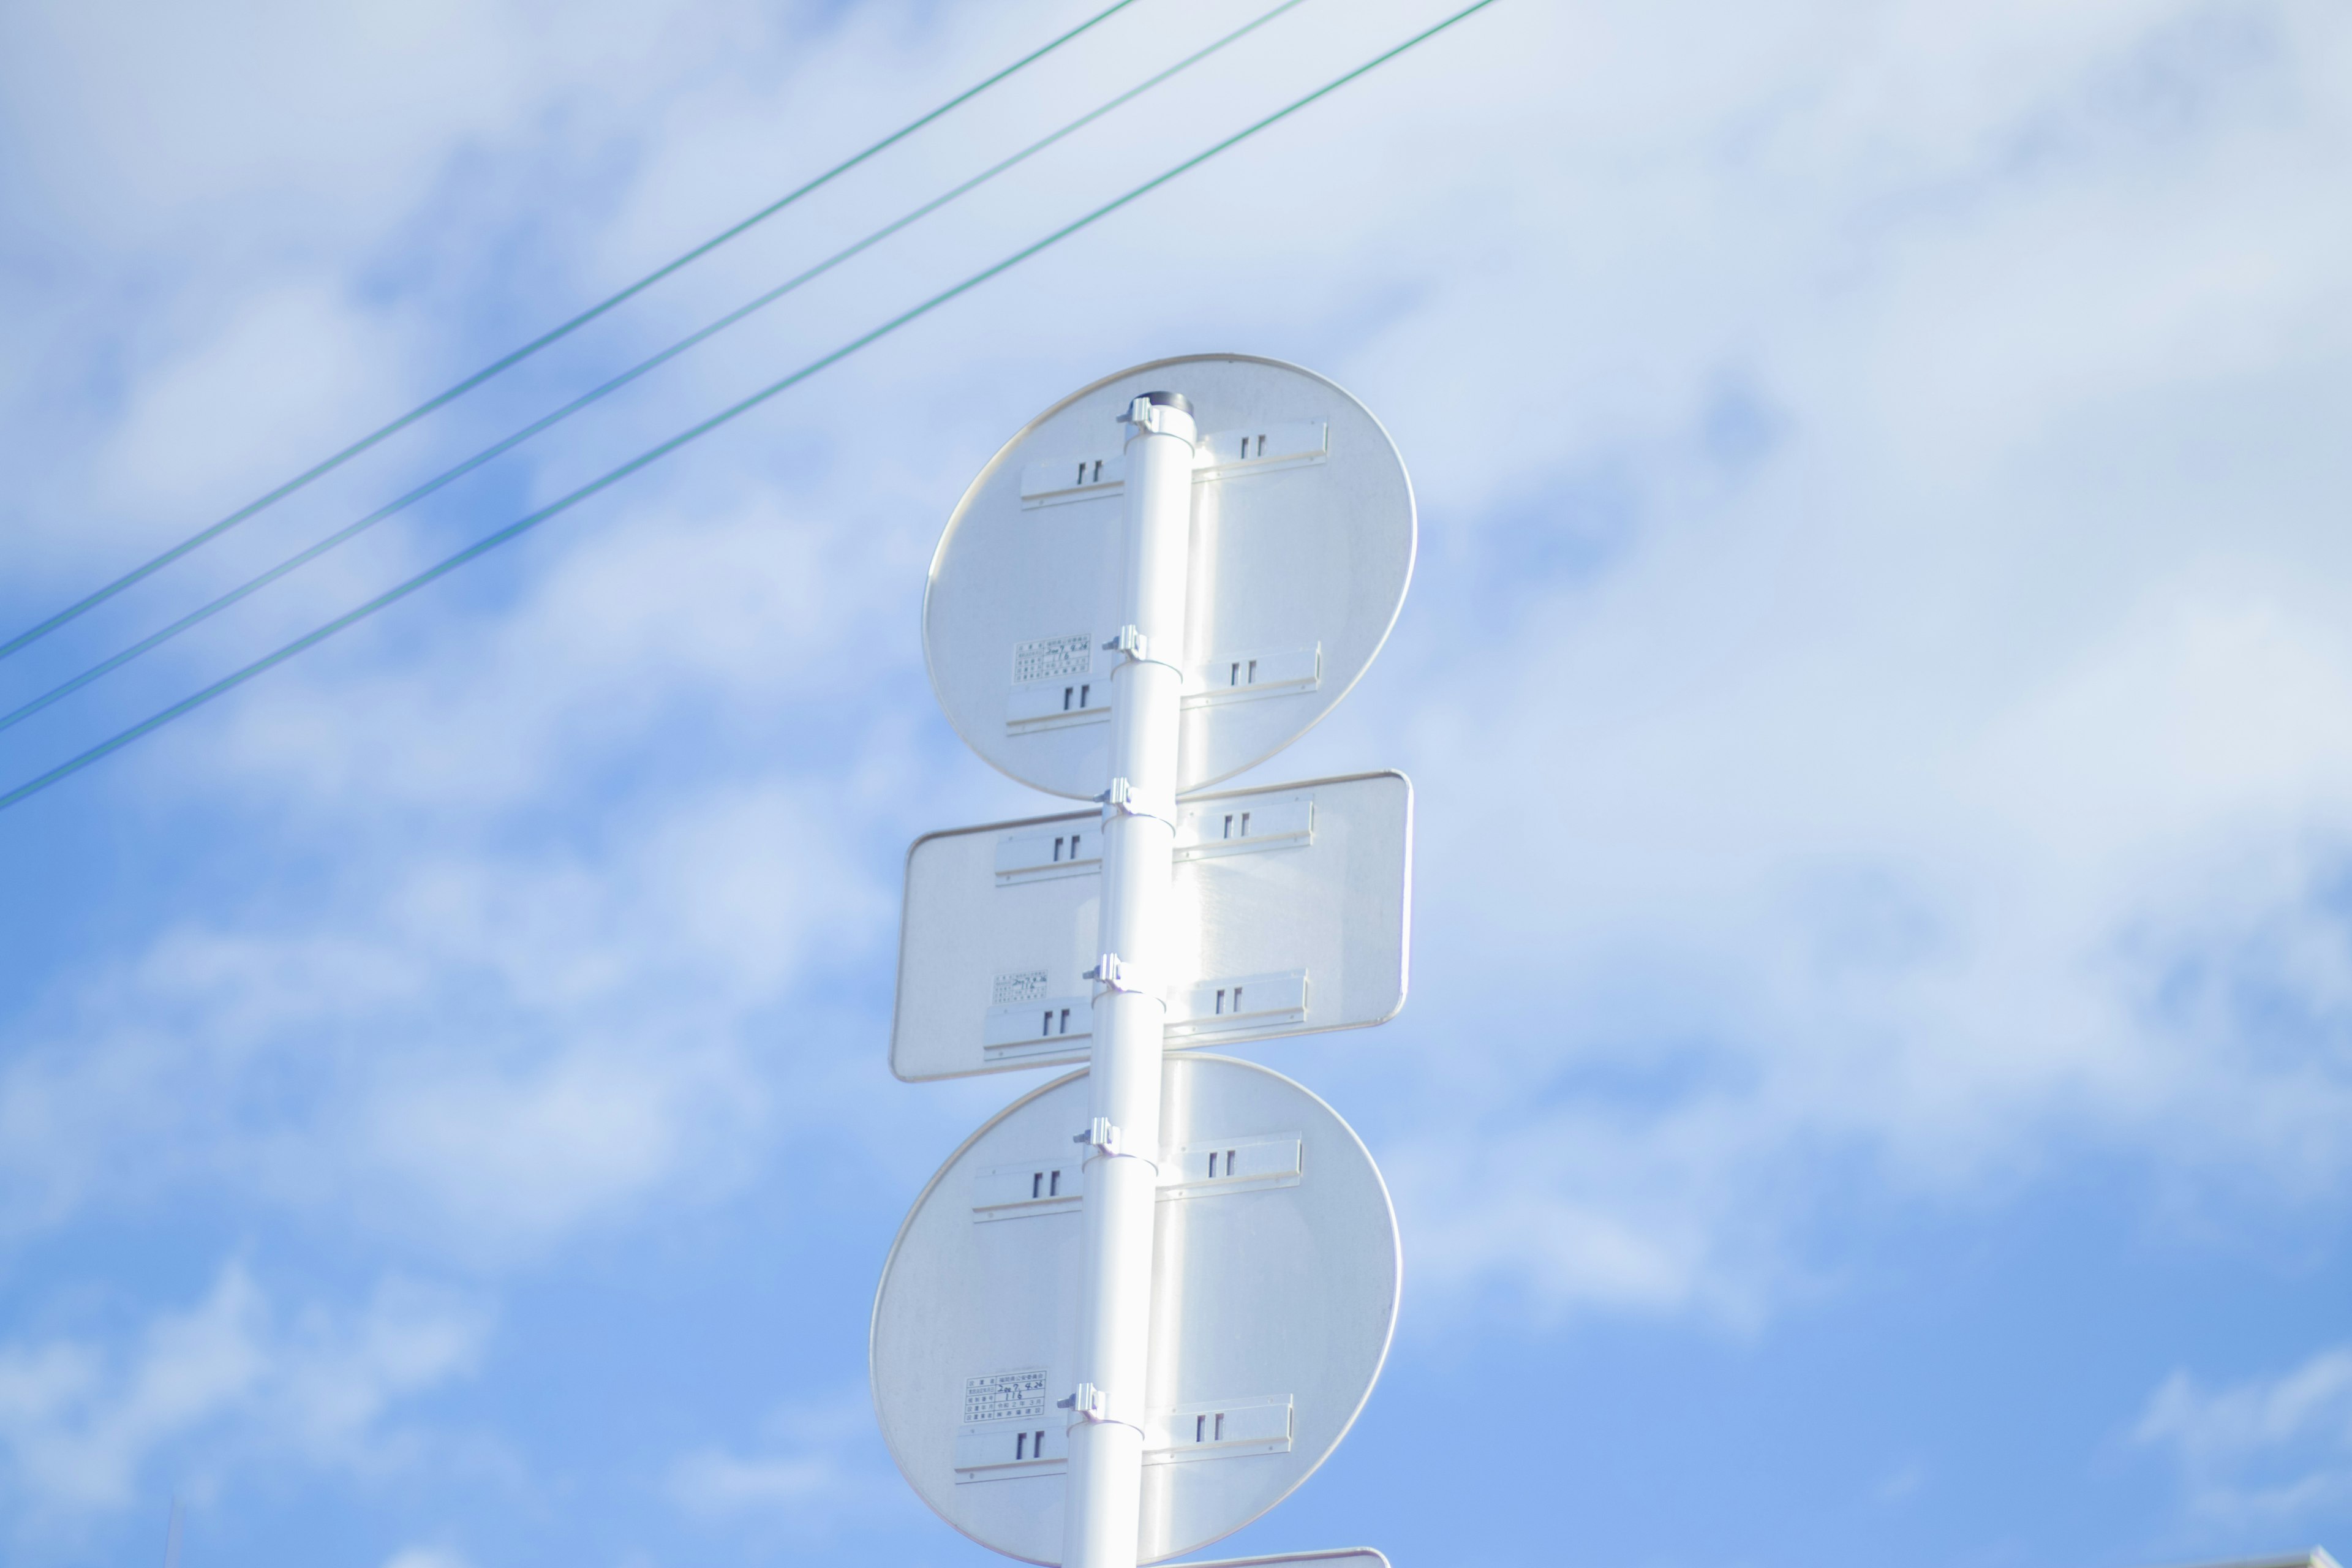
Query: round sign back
{"x": 1302, "y": 544}
{"x": 1274, "y": 1280}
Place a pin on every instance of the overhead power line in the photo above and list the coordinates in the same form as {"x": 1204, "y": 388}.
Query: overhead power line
{"x": 450, "y": 475}
{"x": 553, "y": 335}
{"x": 694, "y": 432}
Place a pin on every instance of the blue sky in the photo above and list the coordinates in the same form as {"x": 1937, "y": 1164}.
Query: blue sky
{"x": 1877, "y": 685}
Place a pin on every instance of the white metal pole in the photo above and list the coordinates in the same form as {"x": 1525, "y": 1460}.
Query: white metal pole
{"x": 1106, "y": 1422}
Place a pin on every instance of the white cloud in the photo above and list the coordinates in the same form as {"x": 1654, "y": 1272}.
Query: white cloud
{"x": 1934, "y": 948}
{"x": 2266, "y": 1449}
{"x": 711, "y": 1481}
{"x": 1880, "y": 507}
{"x": 1877, "y": 681}
{"x": 234, "y": 1377}
{"x": 495, "y": 1055}
{"x": 818, "y": 1467}
{"x": 294, "y": 368}
{"x": 1927, "y": 797}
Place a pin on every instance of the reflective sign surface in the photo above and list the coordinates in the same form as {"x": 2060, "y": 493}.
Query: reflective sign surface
{"x": 1293, "y": 907}
{"x": 1302, "y": 545}
{"x": 1274, "y": 1293}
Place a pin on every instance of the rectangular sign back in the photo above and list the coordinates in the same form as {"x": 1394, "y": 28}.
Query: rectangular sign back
{"x": 1293, "y": 914}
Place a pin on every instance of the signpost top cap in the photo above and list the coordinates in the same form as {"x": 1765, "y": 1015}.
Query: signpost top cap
{"x": 1168, "y": 400}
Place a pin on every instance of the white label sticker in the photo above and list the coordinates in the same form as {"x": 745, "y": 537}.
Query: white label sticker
{"x": 1004, "y": 1397}
{"x": 1029, "y": 985}
{"x": 1053, "y": 659}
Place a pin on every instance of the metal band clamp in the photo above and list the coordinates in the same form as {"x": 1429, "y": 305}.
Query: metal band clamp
{"x": 1137, "y": 648}
{"x": 1150, "y": 416}
{"x": 1121, "y": 800}
{"x": 1107, "y": 1139}
{"x": 1114, "y": 974}
{"x": 1090, "y": 1404}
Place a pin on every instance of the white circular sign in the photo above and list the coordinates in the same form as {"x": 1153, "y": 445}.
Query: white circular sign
{"x": 1274, "y": 1282}
{"x": 1302, "y": 544}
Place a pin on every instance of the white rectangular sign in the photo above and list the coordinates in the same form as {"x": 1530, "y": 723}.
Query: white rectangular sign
{"x": 1293, "y": 910}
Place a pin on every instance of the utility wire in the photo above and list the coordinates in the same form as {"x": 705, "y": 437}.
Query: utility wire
{"x": 447, "y": 476}
{"x": 694, "y": 432}
{"x": 509, "y": 360}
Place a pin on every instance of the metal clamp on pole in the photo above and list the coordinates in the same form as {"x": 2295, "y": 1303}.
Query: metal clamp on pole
{"x": 1112, "y": 973}
{"x": 1100, "y": 1136}
{"x": 1123, "y": 799}
{"x": 1111, "y": 1142}
{"x": 1093, "y": 1405}
{"x": 1154, "y": 413}
{"x": 1137, "y": 649}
